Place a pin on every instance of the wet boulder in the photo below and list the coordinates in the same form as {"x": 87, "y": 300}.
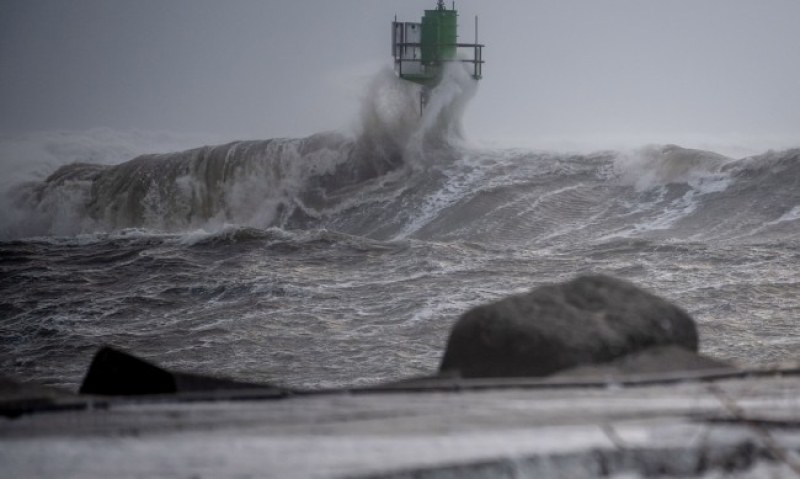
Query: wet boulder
{"x": 117, "y": 373}
{"x": 589, "y": 320}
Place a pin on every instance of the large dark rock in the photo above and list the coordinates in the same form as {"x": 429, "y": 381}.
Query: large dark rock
{"x": 589, "y": 320}
{"x": 117, "y": 373}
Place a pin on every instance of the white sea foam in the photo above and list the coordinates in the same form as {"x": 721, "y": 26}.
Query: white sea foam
{"x": 256, "y": 184}
{"x": 398, "y": 175}
{"x": 657, "y": 165}
{"x": 32, "y": 157}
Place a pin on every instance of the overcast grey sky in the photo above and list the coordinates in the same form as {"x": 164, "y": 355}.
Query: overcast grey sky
{"x": 657, "y": 70}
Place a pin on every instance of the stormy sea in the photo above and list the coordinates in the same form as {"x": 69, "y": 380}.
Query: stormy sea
{"x": 343, "y": 259}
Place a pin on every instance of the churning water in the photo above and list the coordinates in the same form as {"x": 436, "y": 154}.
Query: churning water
{"x": 339, "y": 260}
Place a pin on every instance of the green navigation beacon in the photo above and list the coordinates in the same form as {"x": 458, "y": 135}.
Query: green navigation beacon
{"x": 421, "y": 50}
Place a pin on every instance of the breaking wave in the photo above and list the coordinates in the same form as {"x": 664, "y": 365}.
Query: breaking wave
{"x": 252, "y": 183}
{"x": 405, "y": 176}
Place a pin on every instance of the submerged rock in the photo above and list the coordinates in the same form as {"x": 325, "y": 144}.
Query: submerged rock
{"x": 657, "y": 361}
{"x": 590, "y": 320}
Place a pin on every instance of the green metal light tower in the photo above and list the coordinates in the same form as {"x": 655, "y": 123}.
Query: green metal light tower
{"x": 421, "y": 50}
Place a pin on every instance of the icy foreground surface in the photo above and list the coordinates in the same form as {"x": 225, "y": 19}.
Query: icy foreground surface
{"x": 733, "y": 428}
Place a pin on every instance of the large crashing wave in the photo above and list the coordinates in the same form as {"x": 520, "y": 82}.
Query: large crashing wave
{"x": 401, "y": 175}
{"x": 253, "y": 183}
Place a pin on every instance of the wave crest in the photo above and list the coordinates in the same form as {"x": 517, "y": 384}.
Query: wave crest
{"x": 283, "y": 182}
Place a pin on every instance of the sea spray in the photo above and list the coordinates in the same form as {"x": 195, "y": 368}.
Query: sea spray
{"x": 32, "y": 205}
{"x": 442, "y": 117}
{"x": 279, "y": 182}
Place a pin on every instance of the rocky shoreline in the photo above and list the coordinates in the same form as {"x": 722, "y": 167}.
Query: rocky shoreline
{"x": 590, "y": 329}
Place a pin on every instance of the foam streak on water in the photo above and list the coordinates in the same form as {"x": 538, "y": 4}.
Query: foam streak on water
{"x": 341, "y": 260}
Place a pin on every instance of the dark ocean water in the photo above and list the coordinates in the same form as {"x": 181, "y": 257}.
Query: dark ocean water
{"x": 340, "y": 260}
